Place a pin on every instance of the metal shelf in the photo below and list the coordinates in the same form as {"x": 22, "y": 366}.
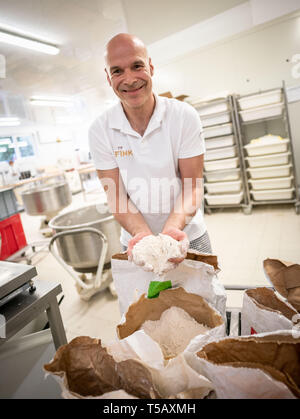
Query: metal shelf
{"x": 257, "y": 121}
{"x": 271, "y": 202}
{"x": 226, "y": 206}
{"x": 284, "y": 117}
{"x": 211, "y": 115}
{"x": 245, "y": 207}
{"x": 238, "y": 131}
{"x": 235, "y": 133}
{"x": 222, "y": 170}
{"x": 202, "y": 104}
{"x": 258, "y": 92}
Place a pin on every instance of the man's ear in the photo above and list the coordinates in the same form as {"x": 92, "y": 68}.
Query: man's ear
{"x": 151, "y": 67}
{"x": 107, "y": 76}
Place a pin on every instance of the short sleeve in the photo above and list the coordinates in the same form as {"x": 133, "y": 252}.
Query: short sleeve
{"x": 192, "y": 138}
{"x": 100, "y": 148}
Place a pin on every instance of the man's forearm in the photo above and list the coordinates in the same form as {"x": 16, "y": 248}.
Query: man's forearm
{"x": 132, "y": 220}
{"x": 178, "y": 218}
{"x": 120, "y": 205}
{"x": 186, "y": 206}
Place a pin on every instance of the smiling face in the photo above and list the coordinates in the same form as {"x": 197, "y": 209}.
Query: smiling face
{"x": 129, "y": 71}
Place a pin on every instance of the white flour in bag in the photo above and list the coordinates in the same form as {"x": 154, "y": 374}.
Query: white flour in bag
{"x": 154, "y": 252}
{"x": 173, "y": 331}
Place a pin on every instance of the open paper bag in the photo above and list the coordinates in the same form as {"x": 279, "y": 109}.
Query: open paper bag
{"x": 176, "y": 379}
{"x": 86, "y": 369}
{"x": 261, "y": 366}
{"x": 196, "y": 274}
{"x": 173, "y": 376}
{"x": 152, "y": 309}
{"x": 263, "y": 311}
{"x": 135, "y": 364}
{"x": 285, "y": 277}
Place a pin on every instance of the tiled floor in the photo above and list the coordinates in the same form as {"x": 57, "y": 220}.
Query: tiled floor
{"x": 240, "y": 241}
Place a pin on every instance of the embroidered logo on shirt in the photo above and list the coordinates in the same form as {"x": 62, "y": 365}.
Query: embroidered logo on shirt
{"x": 123, "y": 153}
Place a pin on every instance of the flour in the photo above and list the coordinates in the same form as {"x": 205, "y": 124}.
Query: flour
{"x": 153, "y": 252}
{"x": 173, "y": 331}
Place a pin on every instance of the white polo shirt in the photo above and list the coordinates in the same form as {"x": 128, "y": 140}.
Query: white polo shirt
{"x": 148, "y": 164}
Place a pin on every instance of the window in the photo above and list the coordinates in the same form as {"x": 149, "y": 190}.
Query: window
{"x": 16, "y": 147}
{"x": 7, "y": 149}
{"x": 25, "y": 146}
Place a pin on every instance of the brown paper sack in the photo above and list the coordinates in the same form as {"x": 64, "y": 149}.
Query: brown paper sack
{"x": 175, "y": 380}
{"x": 263, "y": 311}
{"x": 173, "y": 377}
{"x": 261, "y": 366}
{"x": 86, "y": 370}
{"x": 152, "y": 309}
{"x": 285, "y": 277}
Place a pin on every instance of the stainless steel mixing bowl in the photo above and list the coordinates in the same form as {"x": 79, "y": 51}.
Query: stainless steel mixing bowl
{"x": 82, "y": 250}
{"x": 46, "y": 199}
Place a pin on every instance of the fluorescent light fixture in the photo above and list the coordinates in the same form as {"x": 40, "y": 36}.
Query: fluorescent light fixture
{"x": 25, "y": 42}
{"x": 5, "y": 141}
{"x": 51, "y": 101}
{"x": 9, "y": 122}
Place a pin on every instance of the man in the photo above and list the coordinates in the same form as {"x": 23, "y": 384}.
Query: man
{"x": 152, "y": 142}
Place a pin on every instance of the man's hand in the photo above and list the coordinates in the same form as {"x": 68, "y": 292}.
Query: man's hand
{"x": 180, "y": 236}
{"x": 135, "y": 239}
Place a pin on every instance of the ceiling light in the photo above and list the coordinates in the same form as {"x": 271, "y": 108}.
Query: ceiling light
{"x": 4, "y": 141}
{"x": 9, "y": 122}
{"x": 29, "y": 43}
{"x": 51, "y": 101}
{"x": 48, "y": 103}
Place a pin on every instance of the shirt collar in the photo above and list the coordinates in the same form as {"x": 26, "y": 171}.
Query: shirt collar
{"x": 117, "y": 118}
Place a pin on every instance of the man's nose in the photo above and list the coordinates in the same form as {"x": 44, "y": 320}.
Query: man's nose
{"x": 129, "y": 78}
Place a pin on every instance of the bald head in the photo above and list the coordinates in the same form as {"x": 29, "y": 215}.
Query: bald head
{"x": 124, "y": 42}
{"x": 129, "y": 71}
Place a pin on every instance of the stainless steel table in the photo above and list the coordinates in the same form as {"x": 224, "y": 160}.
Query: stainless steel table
{"x": 25, "y": 307}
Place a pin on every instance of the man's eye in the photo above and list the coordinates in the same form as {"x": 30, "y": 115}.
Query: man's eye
{"x": 116, "y": 71}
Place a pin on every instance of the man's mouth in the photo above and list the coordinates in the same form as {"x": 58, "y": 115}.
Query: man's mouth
{"x": 132, "y": 90}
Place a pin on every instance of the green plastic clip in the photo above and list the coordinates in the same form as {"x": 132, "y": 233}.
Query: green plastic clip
{"x": 156, "y": 286}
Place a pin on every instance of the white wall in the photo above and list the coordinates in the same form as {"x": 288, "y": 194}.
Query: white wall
{"x": 258, "y": 56}
{"x": 247, "y": 63}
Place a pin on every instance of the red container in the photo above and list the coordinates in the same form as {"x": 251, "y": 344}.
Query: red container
{"x": 12, "y": 235}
